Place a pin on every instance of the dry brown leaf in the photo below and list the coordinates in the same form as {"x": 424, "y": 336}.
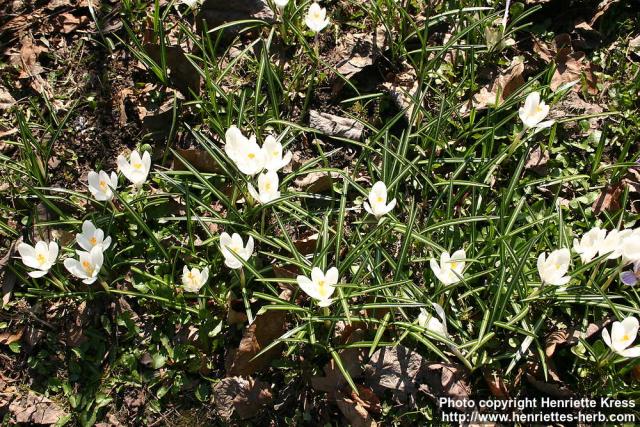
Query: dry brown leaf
{"x": 356, "y": 51}
{"x": 218, "y": 12}
{"x": 570, "y": 65}
{"x": 265, "y": 329}
{"x": 306, "y": 245}
{"x": 316, "y": 182}
{"x": 183, "y": 74}
{"x": 119, "y": 100}
{"x": 351, "y": 358}
{"x": 537, "y": 161}
{"x": 496, "y": 383}
{"x": 6, "y": 100}
{"x": 245, "y": 396}
{"x": 609, "y": 199}
{"x": 354, "y": 412}
{"x": 236, "y": 313}
{"x": 337, "y": 126}
{"x": 602, "y": 9}
{"x": 198, "y": 158}
{"x": 68, "y": 22}
{"x": 507, "y": 82}
{"x": 8, "y": 338}
{"x": 27, "y": 59}
{"x": 571, "y": 336}
{"x": 554, "y": 386}
{"x": 35, "y": 409}
{"x": 403, "y": 89}
{"x": 405, "y": 372}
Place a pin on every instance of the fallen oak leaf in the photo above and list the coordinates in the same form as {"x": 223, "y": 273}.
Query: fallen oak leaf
{"x": 403, "y": 89}
{"x": 266, "y": 328}
{"x": 245, "y": 396}
{"x": 332, "y": 125}
{"x": 316, "y": 182}
{"x": 355, "y": 52}
{"x": 609, "y": 199}
{"x": 35, "y": 409}
{"x": 506, "y": 83}
{"x": 354, "y": 411}
{"x": 8, "y": 338}
{"x": 198, "y": 158}
{"x": 333, "y": 380}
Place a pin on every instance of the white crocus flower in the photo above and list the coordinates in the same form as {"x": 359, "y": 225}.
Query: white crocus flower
{"x": 40, "y": 257}
{"x": 316, "y": 18}
{"x": 273, "y": 159}
{"x": 612, "y": 244}
{"x": 267, "y": 188}
{"x": 630, "y": 247}
{"x": 431, "y": 323}
{"x": 377, "y": 205}
{"x": 623, "y": 334}
{"x": 244, "y": 152}
{"x": 281, "y": 4}
{"x": 230, "y": 245}
{"x": 137, "y": 168}
{"x": 320, "y": 286}
{"x": 87, "y": 266}
{"x": 92, "y": 237}
{"x": 192, "y": 4}
{"x": 193, "y": 280}
{"x": 451, "y": 267}
{"x": 534, "y": 112}
{"x": 590, "y": 243}
{"x": 102, "y": 185}
{"x": 553, "y": 269}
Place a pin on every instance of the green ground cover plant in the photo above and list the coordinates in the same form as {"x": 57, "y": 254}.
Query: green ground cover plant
{"x": 323, "y": 214}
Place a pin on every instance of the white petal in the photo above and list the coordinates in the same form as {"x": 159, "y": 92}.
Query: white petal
{"x": 37, "y": 273}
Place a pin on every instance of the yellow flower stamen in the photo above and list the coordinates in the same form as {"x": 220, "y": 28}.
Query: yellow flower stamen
{"x": 103, "y": 185}
{"x": 93, "y": 241}
{"x": 41, "y": 259}
{"x": 322, "y": 288}
{"x": 137, "y": 165}
{"x": 251, "y": 155}
{"x": 87, "y": 267}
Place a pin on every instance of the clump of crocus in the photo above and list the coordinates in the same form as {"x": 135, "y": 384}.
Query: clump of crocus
{"x": 623, "y": 334}
{"x": 630, "y": 247}
{"x": 587, "y": 247}
{"x": 267, "y": 188}
{"x": 316, "y": 18}
{"x": 40, "y": 257}
{"x": 534, "y": 112}
{"x": 249, "y": 157}
{"x": 137, "y": 168}
{"x": 320, "y": 286}
{"x": 377, "y": 204}
{"x": 244, "y": 152}
{"x": 230, "y": 245}
{"x": 102, "y": 185}
{"x": 91, "y": 237}
{"x": 451, "y": 267}
{"x": 612, "y": 244}
{"x": 553, "y": 269}
{"x": 193, "y": 280}
{"x": 274, "y": 160}
{"x": 87, "y": 266}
